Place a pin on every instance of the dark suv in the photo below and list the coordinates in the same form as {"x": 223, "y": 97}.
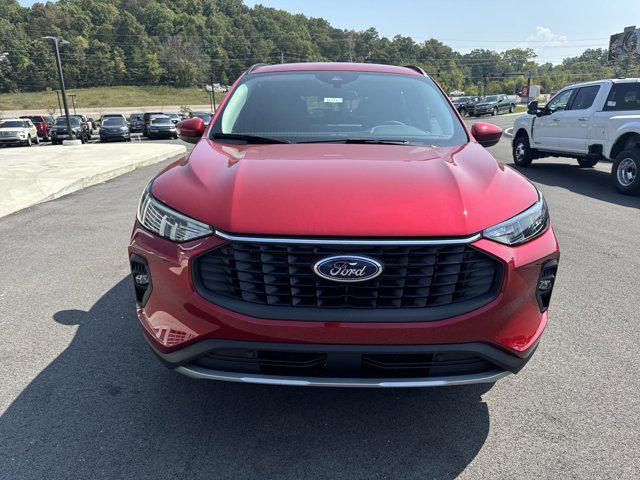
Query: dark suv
{"x": 136, "y": 122}
{"x": 464, "y": 105}
{"x": 146, "y": 118}
{"x": 493, "y": 104}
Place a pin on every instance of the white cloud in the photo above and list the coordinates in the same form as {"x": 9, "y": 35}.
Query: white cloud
{"x": 544, "y": 37}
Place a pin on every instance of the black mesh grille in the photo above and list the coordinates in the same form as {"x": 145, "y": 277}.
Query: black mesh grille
{"x": 281, "y": 275}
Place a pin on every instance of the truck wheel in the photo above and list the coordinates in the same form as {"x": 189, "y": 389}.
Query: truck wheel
{"x": 625, "y": 172}
{"x": 522, "y": 154}
{"x": 586, "y": 162}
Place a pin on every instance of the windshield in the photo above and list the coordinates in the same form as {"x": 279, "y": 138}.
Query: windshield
{"x": 110, "y": 122}
{"x": 34, "y": 119}
{"x": 334, "y": 105}
{"x": 491, "y": 98}
{"x": 13, "y": 124}
{"x": 63, "y": 121}
{"x": 161, "y": 121}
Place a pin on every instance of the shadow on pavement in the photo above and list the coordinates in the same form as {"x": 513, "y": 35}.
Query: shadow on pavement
{"x": 105, "y": 408}
{"x": 584, "y": 181}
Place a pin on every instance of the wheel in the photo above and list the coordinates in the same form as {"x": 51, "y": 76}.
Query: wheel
{"x": 175, "y": 137}
{"x": 28, "y": 143}
{"x": 586, "y": 162}
{"x": 510, "y": 108}
{"x": 522, "y": 154}
{"x": 83, "y": 139}
{"x": 624, "y": 172}
{"x": 494, "y": 112}
{"x": 463, "y": 112}
{"x": 37, "y": 141}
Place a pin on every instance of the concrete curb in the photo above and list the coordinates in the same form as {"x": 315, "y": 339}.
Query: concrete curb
{"x": 86, "y": 181}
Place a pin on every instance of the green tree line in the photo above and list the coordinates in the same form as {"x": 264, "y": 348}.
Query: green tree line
{"x": 190, "y": 42}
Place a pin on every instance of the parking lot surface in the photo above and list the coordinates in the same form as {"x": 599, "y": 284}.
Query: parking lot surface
{"x": 82, "y": 396}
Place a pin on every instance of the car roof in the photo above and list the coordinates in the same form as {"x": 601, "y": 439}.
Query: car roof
{"x": 600, "y": 82}
{"x": 159, "y": 116}
{"x": 338, "y": 66}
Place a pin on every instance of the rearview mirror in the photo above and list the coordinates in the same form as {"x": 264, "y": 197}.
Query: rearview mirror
{"x": 532, "y": 108}
{"x": 486, "y": 134}
{"x": 190, "y": 130}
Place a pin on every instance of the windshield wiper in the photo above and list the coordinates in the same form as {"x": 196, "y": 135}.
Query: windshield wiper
{"x": 246, "y": 138}
{"x": 374, "y": 141}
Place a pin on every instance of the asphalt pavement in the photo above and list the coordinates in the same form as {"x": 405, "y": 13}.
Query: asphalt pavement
{"x": 82, "y": 397}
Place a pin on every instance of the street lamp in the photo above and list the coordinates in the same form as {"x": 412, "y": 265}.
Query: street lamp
{"x": 56, "y": 50}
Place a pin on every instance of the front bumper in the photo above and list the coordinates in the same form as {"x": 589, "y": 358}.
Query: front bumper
{"x": 162, "y": 133}
{"x": 182, "y": 326}
{"x": 482, "y": 110}
{"x": 106, "y": 136}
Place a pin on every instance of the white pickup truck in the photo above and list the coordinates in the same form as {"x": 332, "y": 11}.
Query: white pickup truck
{"x": 588, "y": 121}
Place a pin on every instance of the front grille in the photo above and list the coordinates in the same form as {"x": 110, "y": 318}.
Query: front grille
{"x": 344, "y": 363}
{"x": 414, "y": 277}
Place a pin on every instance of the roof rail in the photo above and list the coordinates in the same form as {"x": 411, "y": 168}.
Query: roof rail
{"x": 417, "y": 69}
{"x": 254, "y": 66}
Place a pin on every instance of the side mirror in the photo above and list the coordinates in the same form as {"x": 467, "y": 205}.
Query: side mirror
{"x": 532, "y": 108}
{"x": 190, "y": 130}
{"x": 486, "y": 134}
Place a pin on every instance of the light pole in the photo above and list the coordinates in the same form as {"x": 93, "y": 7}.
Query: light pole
{"x": 56, "y": 50}
{"x": 73, "y": 102}
{"x": 59, "y": 103}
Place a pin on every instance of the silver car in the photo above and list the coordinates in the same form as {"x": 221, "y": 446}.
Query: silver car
{"x": 18, "y": 131}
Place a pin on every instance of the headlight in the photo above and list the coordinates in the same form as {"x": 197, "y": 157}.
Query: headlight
{"x": 124, "y": 129}
{"x": 166, "y": 222}
{"x": 523, "y": 227}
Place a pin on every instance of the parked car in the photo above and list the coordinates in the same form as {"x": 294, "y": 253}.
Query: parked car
{"x": 341, "y": 226}
{"x": 206, "y": 117}
{"x": 114, "y": 128}
{"x": 43, "y": 124}
{"x": 493, "y": 104}
{"x": 18, "y": 131}
{"x": 161, "y": 126}
{"x": 92, "y": 123}
{"x": 588, "y": 121}
{"x": 136, "y": 123}
{"x": 175, "y": 118}
{"x": 465, "y": 105}
{"x": 145, "y": 121}
{"x": 60, "y": 132}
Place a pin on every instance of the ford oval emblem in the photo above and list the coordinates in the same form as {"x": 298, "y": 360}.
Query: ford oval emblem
{"x": 348, "y": 268}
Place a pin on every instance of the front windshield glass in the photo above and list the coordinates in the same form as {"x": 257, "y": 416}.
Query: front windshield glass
{"x": 63, "y": 121}
{"x": 13, "y": 124}
{"x": 340, "y": 105}
{"x": 116, "y": 121}
{"x": 161, "y": 121}
{"x": 491, "y": 98}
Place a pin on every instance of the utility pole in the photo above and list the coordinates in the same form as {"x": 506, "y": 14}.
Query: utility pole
{"x": 56, "y": 50}
{"x": 59, "y": 103}
{"x": 281, "y": 57}
{"x": 73, "y": 102}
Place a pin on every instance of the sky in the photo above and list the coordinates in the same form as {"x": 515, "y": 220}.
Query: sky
{"x": 554, "y": 28}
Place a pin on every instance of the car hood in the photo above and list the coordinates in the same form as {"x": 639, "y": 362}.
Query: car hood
{"x": 344, "y": 190}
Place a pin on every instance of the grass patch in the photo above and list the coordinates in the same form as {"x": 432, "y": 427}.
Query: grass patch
{"x": 105, "y": 97}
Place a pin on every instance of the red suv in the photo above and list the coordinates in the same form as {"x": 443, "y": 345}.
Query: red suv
{"x": 43, "y": 124}
{"x": 338, "y": 225}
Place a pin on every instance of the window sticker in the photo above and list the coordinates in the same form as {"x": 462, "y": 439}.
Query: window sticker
{"x": 611, "y": 103}
{"x": 332, "y": 100}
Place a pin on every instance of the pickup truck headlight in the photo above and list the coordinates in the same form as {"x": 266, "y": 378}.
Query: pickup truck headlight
{"x": 166, "y": 222}
{"x": 523, "y": 227}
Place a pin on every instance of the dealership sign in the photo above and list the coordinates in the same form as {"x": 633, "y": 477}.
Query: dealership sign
{"x": 625, "y": 43}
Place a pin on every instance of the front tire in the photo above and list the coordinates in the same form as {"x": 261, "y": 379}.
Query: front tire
{"x": 28, "y": 143}
{"x": 37, "y": 141}
{"x": 494, "y": 112}
{"x": 586, "y": 162}
{"x": 510, "y": 108}
{"x": 521, "y": 151}
{"x": 463, "y": 112}
{"x": 625, "y": 172}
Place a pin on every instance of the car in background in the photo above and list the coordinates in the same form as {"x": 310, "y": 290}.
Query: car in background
{"x": 136, "y": 123}
{"x": 205, "y": 116}
{"x": 43, "y": 124}
{"x": 161, "y": 126}
{"x": 493, "y": 104}
{"x": 18, "y": 131}
{"x": 145, "y": 121}
{"x": 60, "y": 132}
{"x": 92, "y": 123}
{"x": 175, "y": 118}
{"x": 464, "y": 105}
{"x": 115, "y": 128}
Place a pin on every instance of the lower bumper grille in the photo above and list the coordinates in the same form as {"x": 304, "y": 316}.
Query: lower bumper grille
{"x": 275, "y": 280}
{"x": 341, "y": 364}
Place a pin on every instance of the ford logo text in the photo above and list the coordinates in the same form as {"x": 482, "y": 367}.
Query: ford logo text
{"x": 348, "y": 268}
